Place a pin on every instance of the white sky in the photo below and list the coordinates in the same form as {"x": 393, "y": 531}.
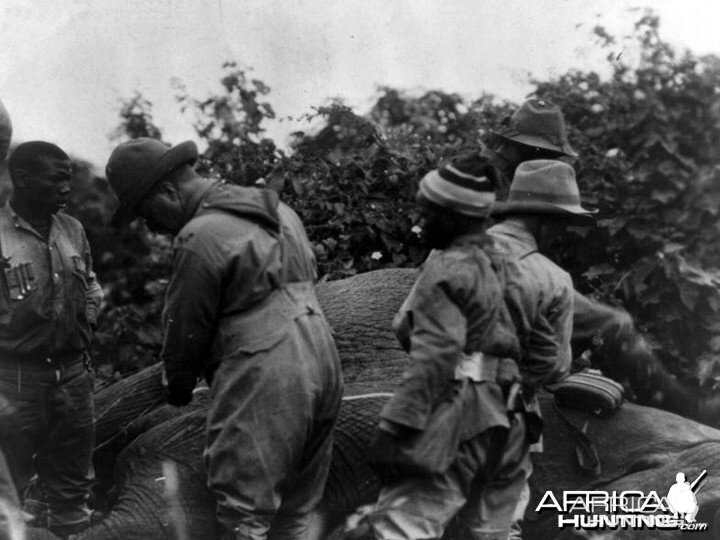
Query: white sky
{"x": 65, "y": 65}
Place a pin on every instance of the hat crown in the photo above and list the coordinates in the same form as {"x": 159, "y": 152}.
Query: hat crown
{"x": 540, "y": 123}
{"x": 136, "y": 165}
{"x": 544, "y": 180}
{"x": 542, "y": 119}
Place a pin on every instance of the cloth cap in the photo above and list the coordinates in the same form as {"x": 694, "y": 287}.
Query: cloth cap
{"x": 465, "y": 185}
{"x": 545, "y": 186}
{"x": 135, "y": 167}
{"x": 539, "y": 123}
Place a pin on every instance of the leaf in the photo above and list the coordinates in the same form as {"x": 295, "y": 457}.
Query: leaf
{"x": 599, "y": 270}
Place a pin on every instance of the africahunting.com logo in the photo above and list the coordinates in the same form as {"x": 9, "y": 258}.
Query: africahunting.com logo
{"x": 600, "y": 510}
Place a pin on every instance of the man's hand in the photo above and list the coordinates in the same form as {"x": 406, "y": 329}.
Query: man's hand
{"x": 179, "y": 388}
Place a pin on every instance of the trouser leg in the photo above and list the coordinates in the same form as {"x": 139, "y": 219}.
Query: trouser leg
{"x": 64, "y": 462}
{"x": 269, "y": 438}
{"x": 422, "y": 507}
{"x": 493, "y": 507}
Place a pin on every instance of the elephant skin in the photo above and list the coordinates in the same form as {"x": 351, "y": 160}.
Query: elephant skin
{"x": 641, "y": 448}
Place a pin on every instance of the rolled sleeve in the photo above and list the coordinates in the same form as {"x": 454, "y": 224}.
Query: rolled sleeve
{"x": 93, "y": 291}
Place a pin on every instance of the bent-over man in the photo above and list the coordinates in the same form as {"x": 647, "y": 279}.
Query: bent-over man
{"x": 240, "y": 308}
{"x": 49, "y": 301}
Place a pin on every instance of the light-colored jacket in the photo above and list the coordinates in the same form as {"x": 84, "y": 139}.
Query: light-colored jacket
{"x": 539, "y": 295}
{"x": 454, "y": 309}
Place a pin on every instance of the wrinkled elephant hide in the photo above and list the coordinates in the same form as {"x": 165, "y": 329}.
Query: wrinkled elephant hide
{"x": 641, "y": 448}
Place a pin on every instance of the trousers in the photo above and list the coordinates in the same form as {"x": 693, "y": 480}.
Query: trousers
{"x": 55, "y": 414}
{"x": 477, "y": 496}
{"x": 269, "y": 433}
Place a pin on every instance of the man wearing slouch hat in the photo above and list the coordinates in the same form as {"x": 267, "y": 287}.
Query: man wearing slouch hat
{"x": 241, "y": 310}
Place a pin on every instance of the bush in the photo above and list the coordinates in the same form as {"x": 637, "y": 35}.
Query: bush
{"x": 649, "y": 141}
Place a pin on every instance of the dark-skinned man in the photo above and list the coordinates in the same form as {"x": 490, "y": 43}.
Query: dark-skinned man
{"x": 240, "y": 308}
{"x": 537, "y": 131}
{"x": 457, "y": 328}
{"x": 48, "y": 305}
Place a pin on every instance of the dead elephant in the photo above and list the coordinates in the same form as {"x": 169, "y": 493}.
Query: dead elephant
{"x": 642, "y": 449}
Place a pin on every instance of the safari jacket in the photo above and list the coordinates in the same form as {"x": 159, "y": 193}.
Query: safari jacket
{"x": 455, "y": 308}
{"x": 241, "y": 307}
{"x": 540, "y": 297}
{"x": 49, "y": 295}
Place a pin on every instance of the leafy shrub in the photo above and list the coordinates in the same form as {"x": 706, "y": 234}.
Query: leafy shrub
{"x": 649, "y": 141}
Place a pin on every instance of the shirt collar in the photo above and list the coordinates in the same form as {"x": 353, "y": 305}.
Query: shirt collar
{"x": 20, "y": 223}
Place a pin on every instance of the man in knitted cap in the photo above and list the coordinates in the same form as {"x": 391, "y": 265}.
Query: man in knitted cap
{"x": 463, "y": 346}
{"x": 537, "y": 131}
{"x": 240, "y": 308}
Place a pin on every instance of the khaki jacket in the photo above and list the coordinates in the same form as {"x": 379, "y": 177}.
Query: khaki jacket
{"x": 243, "y": 272}
{"x": 49, "y": 295}
{"x": 455, "y": 308}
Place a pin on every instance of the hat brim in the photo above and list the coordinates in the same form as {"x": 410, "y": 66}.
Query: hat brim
{"x": 539, "y": 142}
{"x": 176, "y": 156}
{"x": 574, "y": 213}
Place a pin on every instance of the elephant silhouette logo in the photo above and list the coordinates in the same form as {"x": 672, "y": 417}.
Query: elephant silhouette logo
{"x": 681, "y": 496}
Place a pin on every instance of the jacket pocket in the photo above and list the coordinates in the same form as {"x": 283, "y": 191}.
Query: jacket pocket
{"x": 20, "y": 281}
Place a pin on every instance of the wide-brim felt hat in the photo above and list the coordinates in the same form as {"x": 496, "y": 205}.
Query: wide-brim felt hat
{"x": 545, "y": 186}
{"x": 537, "y": 123}
{"x": 136, "y": 166}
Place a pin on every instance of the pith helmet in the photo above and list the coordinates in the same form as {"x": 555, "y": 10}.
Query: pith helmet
{"x": 135, "y": 166}
{"x": 539, "y": 123}
{"x": 545, "y": 186}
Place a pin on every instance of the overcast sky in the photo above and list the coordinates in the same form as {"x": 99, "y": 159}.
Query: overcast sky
{"x": 65, "y": 65}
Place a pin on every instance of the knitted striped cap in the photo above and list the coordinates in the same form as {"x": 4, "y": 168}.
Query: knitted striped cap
{"x": 465, "y": 185}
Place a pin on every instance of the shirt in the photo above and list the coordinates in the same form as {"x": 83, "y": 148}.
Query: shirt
{"x": 49, "y": 295}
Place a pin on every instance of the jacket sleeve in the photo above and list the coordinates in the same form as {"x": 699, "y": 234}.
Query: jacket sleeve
{"x": 436, "y": 342}
{"x": 190, "y": 315}
{"x": 548, "y": 351}
{"x": 93, "y": 290}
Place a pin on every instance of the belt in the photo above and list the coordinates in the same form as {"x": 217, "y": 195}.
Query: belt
{"x": 481, "y": 367}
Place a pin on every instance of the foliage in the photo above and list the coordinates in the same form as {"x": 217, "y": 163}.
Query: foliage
{"x": 649, "y": 141}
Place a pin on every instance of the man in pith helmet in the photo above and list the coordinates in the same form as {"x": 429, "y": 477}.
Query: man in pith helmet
{"x": 240, "y": 309}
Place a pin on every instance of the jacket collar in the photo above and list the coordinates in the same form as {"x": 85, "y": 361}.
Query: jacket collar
{"x": 517, "y": 231}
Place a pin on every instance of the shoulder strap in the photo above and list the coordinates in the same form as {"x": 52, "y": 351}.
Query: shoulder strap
{"x": 585, "y": 450}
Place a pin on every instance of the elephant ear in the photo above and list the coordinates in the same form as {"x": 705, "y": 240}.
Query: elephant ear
{"x": 5, "y": 132}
